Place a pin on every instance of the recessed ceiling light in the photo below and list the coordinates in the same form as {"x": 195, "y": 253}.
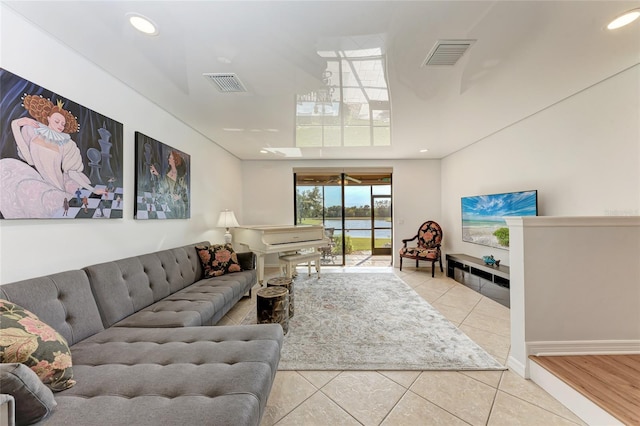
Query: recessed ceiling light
{"x": 264, "y": 151}
{"x": 624, "y": 19}
{"x": 424, "y": 150}
{"x": 142, "y": 24}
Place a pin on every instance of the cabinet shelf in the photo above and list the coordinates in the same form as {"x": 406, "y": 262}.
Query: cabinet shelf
{"x": 490, "y": 281}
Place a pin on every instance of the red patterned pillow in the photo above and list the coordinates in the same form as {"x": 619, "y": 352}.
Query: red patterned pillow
{"x": 27, "y": 340}
{"x": 218, "y": 259}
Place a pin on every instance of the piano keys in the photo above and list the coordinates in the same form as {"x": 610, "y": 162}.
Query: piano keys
{"x": 267, "y": 239}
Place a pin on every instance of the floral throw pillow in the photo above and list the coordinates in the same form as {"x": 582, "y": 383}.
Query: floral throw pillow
{"x": 27, "y": 340}
{"x": 218, "y": 259}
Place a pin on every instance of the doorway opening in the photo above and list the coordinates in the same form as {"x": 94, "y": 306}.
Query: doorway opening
{"x": 355, "y": 208}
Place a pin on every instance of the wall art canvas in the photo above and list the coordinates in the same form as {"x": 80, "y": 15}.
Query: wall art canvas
{"x": 483, "y": 216}
{"x": 162, "y": 180}
{"x": 58, "y": 159}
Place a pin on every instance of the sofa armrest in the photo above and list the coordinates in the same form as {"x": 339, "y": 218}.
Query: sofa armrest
{"x": 7, "y": 410}
{"x": 247, "y": 260}
{"x": 30, "y": 399}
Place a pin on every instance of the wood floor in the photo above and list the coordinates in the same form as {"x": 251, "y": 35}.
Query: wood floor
{"x": 610, "y": 381}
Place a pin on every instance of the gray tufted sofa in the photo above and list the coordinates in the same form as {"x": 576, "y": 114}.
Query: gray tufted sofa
{"x": 143, "y": 348}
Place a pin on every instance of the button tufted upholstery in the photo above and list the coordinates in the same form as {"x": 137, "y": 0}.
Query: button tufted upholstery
{"x": 129, "y": 367}
{"x": 192, "y": 375}
{"x": 63, "y": 300}
{"x": 165, "y": 289}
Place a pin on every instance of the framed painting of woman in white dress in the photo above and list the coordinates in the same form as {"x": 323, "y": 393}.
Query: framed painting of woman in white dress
{"x": 58, "y": 159}
{"x": 162, "y": 180}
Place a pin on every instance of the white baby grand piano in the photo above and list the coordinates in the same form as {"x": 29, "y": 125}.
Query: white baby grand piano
{"x": 266, "y": 239}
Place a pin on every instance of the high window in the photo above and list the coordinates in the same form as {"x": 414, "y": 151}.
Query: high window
{"x": 352, "y": 106}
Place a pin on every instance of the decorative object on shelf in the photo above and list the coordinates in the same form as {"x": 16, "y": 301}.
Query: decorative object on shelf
{"x": 489, "y": 260}
{"x": 227, "y": 220}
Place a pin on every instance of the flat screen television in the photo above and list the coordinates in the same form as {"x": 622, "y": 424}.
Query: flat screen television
{"x": 483, "y": 216}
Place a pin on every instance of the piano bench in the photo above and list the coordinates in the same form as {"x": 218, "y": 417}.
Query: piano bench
{"x": 290, "y": 261}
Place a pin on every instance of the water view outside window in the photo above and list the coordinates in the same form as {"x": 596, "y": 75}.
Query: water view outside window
{"x": 352, "y": 106}
{"x": 366, "y": 210}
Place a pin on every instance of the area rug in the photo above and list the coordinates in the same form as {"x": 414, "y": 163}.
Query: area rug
{"x": 372, "y": 321}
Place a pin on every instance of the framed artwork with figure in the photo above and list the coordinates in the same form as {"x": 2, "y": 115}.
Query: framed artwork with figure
{"x": 58, "y": 159}
{"x": 162, "y": 180}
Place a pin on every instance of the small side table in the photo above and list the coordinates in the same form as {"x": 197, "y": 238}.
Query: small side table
{"x": 285, "y": 283}
{"x": 272, "y": 304}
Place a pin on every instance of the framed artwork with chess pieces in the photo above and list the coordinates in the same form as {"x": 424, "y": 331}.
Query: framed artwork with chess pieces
{"x": 163, "y": 180}
{"x": 58, "y": 159}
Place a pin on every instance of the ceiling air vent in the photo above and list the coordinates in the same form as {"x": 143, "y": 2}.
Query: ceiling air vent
{"x": 226, "y": 82}
{"x": 447, "y": 52}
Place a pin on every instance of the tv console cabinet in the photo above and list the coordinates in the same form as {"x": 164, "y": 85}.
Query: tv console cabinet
{"x": 490, "y": 281}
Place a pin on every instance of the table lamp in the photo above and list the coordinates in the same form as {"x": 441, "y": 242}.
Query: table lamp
{"x": 227, "y": 220}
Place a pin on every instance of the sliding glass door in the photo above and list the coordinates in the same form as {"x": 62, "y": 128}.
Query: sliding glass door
{"x": 354, "y": 208}
{"x": 381, "y": 222}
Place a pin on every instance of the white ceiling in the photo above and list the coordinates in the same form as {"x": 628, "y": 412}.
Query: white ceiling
{"x": 528, "y": 55}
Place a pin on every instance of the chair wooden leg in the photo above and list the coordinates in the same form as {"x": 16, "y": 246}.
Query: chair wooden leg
{"x": 441, "y": 270}
{"x": 433, "y": 269}
{"x": 400, "y": 263}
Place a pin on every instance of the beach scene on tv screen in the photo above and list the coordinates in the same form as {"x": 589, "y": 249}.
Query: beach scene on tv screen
{"x": 483, "y": 216}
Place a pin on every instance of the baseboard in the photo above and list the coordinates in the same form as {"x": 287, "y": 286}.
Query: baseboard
{"x": 581, "y": 406}
{"x": 584, "y": 347}
{"x": 517, "y": 367}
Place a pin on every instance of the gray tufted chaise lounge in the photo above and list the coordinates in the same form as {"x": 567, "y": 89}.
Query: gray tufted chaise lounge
{"x": 142, "y": 348}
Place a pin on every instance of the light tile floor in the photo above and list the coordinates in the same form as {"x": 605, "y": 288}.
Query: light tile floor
{"x": 417, "y": 397}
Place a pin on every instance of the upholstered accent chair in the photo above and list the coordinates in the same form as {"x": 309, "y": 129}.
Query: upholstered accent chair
{"x": 429, "y": 239}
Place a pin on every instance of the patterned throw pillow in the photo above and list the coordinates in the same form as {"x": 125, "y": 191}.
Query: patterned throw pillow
{"x": 27, "y": 340}
{"x": 218, "y": 259}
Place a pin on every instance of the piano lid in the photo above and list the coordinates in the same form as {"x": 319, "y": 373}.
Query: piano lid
{"x": 270, "y": 228}
{"x": 260, "y": 235}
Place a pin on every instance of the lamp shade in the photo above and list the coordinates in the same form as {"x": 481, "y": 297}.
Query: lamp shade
{"x": 227, "y": 219}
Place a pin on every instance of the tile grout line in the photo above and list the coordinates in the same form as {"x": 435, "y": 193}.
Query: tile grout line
{"x": 317, "y": 389}
{"x": 470, "y": 311}
{"x": 340, "y": 406}
{"x": 441, "y": 408}
{"x": 538, "y": 406}
{"x": 394, "y": 405}
{"x": 495, "y": 396}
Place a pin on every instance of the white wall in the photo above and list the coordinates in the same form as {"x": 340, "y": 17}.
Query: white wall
{"x": 268, "y": 192}
{"x": 575, "y": 286}
{"x": 30, "y": 248}
{"x": 581, "y": 154}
